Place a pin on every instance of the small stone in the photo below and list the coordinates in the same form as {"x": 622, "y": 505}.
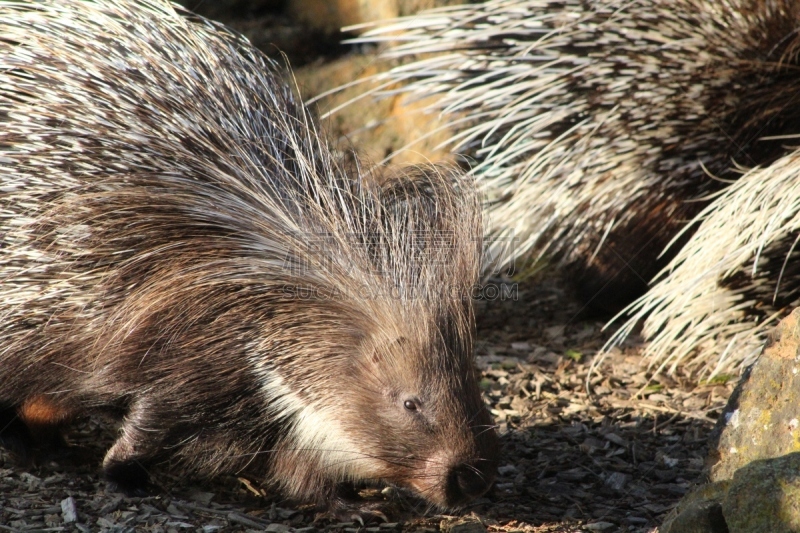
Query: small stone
{"x": 573, "y": 474}
{"x": 598, "y": 526}
{"x": 670, "y": 462}
{"x": 616, "y": 481}
{"x": 509, "y": 363}
{"x": 201, "y": 497}
{"x": 286, "y": 514}
{"x": 245, "y": 520}
{"x": 616, "y": 439}
{"x": 658, "y": 397}
{"x": 175, "y": 512}
{"x": 111, "y": 506}
{"x": 462, "y": 526}
{"x": 105, "y": 523}
{"x": 277, "y": 528}
{"x": 30, "y": 479}
{"x": 507, "y": 470}
{"x": 554, "y": 331}
{"x": 181, "y": 525}
{"x": 591, "y": 444}
{"x": 69, "y": 512}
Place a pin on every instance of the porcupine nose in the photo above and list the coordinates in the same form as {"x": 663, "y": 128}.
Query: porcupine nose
{"x": 467, "y": 482}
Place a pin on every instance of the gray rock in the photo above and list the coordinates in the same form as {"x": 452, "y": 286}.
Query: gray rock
{"x": 762, "y": 419}
{"x": 754, "y": 464}
{"x": 699, "y": 511}
{"x": 616, "y": 481}
{"x": 764, "y": 497}
{"x": 598, "y": 526}
{"x": 69, "y": 511}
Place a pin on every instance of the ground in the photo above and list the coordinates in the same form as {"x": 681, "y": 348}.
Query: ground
{"x": 615, "y": 455}
{"x": 613, "y": 452}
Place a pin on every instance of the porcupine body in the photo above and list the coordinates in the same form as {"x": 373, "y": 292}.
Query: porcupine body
{"x": 599, "y": 129}
{"x": 178, "y": 244}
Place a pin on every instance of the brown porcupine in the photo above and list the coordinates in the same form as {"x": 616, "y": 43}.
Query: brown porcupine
{"x": 180, "y": 245}
{"x": 600, "y": 128}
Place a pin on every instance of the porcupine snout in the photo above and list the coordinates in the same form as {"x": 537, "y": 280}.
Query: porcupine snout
{"x": 467, "y": 481}
{"x": 453, "y": 478}
{"x": 462, "y": 481}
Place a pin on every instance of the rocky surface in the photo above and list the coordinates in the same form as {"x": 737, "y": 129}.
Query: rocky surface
{"x": 762, "y": 420}
{"x": 754, "y": 464}
{"x": 762, "y": 497}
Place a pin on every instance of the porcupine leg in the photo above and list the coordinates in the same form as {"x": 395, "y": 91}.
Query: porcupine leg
{"x": 44, "y": 417}
{"x": 33, "y": 430}
{"x": 14, "y": 434}
{"x": 139, "y": 442}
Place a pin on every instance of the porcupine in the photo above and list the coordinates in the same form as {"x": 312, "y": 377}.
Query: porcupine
{"x": 180, "y": 245}
{"x": 600, "y": 128}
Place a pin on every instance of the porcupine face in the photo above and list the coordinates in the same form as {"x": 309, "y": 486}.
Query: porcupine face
{"x": 436, "y": 437}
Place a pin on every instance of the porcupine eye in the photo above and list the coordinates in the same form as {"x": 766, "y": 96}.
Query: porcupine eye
{"x": 410, "y": 405}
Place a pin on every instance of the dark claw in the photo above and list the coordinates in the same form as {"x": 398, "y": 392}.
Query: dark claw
{"x": 346, "y": 505}
{"x": 365, "y": 514}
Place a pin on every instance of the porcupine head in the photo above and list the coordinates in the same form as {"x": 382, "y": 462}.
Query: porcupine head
{"x": 402, "y": 403}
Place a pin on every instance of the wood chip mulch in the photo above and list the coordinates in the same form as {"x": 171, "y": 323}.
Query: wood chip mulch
{"x": 614, "y": 456}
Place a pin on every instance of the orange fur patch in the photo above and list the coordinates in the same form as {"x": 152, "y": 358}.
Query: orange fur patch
{"x": 40, "y": 411}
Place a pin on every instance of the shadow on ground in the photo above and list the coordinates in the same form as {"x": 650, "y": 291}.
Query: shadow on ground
{"x": 616, "y": 458}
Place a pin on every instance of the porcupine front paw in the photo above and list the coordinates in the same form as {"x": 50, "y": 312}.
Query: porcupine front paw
{"x": 137, "y": 446}
{"x": 130, "y": 478}
{"x": 346, "y": 505}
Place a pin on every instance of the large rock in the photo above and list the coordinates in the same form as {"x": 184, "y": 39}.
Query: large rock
{"x": 330, "y": 15}
{"x": 764, "y": 496}
{"x": 307, "y": 32}
{"x": 699, "y": 512}
{"x": 377, "y": 126}
{"x": 754, "y": 470}
{"x": 761, "y": 420}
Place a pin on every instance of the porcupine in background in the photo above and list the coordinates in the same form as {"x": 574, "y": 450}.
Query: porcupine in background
{"x": 600, "y": 129}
